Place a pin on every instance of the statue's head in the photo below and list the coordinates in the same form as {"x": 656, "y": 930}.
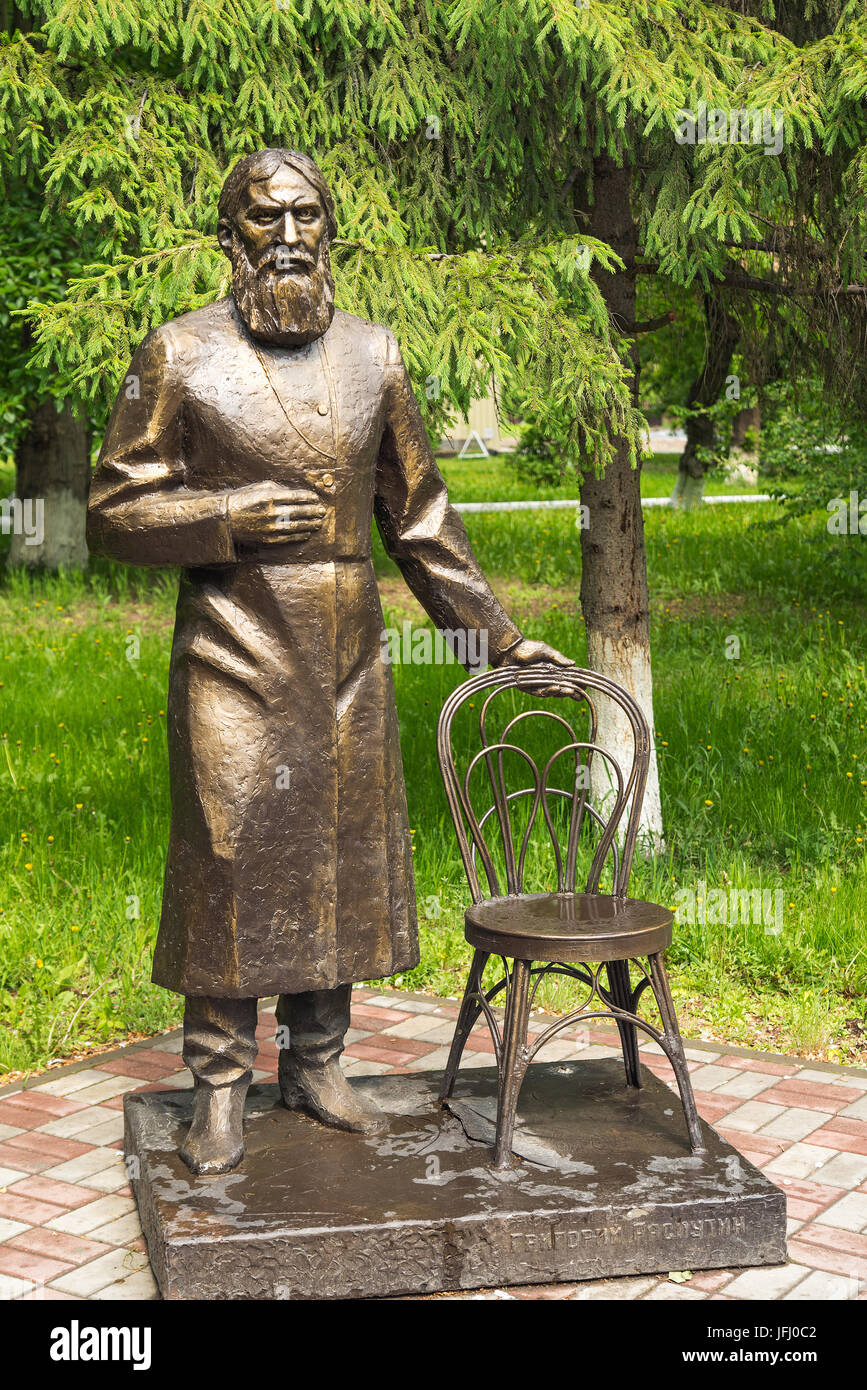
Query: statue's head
{"x": 276, "y": 222}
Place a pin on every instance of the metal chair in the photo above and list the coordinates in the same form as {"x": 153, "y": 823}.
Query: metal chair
{"x": 576, "y": 934}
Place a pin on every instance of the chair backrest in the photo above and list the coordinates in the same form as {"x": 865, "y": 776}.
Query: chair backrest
{"x": 625, "y": 796}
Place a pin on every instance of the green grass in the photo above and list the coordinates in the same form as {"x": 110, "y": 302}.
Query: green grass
{"x": 774, "y": 741}
{"x": 495, "y": 479}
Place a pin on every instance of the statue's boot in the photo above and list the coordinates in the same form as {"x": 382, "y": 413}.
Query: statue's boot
{"x": 219, "y": 1049}
{"x": 309, "y": 1069}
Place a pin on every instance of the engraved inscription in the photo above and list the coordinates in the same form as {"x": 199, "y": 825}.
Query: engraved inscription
{"x": 564, "y": 1239}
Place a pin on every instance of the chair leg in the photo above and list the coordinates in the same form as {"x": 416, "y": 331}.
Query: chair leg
{"x": 513, "y": 1063}
{"x": 469, "y": 1013}
{"x": 671, "y": 1032}
{"x": 618, "y": 984}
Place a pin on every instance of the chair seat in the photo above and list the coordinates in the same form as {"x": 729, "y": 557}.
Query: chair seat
{"x": 568, "y": 927}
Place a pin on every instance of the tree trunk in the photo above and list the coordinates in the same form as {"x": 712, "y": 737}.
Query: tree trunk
{"x": 746, "y": 422}
{"x": 614, "y": 594}
{"x": 52, "y": 477}
{"x": 722, "y": 338}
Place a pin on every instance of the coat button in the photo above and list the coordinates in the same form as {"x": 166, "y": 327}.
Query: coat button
{"x": 328, "y": 480}
{"x": 322, "y": 408}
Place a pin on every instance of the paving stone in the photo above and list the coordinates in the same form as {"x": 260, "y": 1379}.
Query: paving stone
{"x": 10, "y": 1175}
{"x": 65, "y": 1195}
{"x": 421, "y": 1026}
{"x": 557, "y": 1051}
{"x": 23, "y": 1264}
{"x": 419, "y": 1006}
{"x": 385, "y": 1001}
{"x": 820, "y": 1285}
{"x": 824, "y": 1258}
{"x": 857, "y": 1110}
{"x": 800, "y": 1160}
{"x": 668, "y": 1292}
{"x": 756, "y": 1064}
{"x": 172, "y": 1044}
{"x": 96, "y": 1213}
{"x": 753, "y": 1115}
{"x": 745, "y": 1084}
{"x": 108, "y": 1132}
{"x": 699, "y": 1054}
{"x": 794, "y": 1124}
{"x": 768, "y": 1283}
{"x": 82, "y": 1168}
{"x": 140, "y": 1285}
{"x": 821, "y": 1078}
{"x": 849, "y": 1213}
{"x": 26, "y": 1209}
{"x": 433, "y": 1031}
{"x": 107, "y": 1089}
{"x": 9, "y": 1131}
{"x": 68, "y": 1126}
{"x": 707, "y": 1078}
{"x": 366, "y": 1016}
{"x": 841, "y": 1169}
{"x": 612, "y": 1289}
{"x": 47, "y": 1145}
{"x": 14, "y": 1288}
{"x": 99, "y": 1274}
{"x": 434, "y": 1061}
{"x": 59, "y": 1246}
{"x": 9, "y": 1228}
{"x": 74, "y": 1081}
{"x": 119, "y": 1232}
{"x": 368, "y": 1068}
{"x": 110, "y": 1179}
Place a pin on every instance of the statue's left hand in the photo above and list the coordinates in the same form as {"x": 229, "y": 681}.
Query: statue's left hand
{"x": 527, "y": 653}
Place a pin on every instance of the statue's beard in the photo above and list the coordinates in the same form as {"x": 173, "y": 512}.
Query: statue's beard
{"x": 285, "y": 308}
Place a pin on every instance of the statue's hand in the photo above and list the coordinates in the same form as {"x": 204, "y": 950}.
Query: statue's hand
{"x": 527, "y": 653}
{"x": 268, "y": 514}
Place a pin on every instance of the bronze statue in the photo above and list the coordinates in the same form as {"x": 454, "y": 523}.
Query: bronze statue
{"x": 251, "y": 444}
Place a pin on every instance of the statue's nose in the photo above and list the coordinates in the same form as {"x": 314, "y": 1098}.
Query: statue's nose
{"x": 290, "y": 230}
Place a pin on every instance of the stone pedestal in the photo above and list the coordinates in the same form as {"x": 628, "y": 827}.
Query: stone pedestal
{"x": 604, "y": 1184}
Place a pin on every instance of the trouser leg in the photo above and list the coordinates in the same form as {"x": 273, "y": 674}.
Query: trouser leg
{"x": 219, "y": 1049}
{"x": 309, "y": 1069}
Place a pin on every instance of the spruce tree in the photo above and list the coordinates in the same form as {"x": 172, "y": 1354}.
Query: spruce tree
{"x": 504, "y": 171}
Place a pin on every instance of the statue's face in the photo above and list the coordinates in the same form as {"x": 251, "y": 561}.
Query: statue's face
{"x": 278, "y": 246}
{"x": 282, "y": 223}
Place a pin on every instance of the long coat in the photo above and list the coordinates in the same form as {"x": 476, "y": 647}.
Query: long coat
{"x": 289, "y": 864}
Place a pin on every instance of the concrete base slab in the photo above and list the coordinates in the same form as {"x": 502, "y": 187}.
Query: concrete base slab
{"x": 604, "y": 1184}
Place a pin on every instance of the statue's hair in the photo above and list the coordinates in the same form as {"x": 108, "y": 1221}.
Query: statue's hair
{"x": 261, "y": 165}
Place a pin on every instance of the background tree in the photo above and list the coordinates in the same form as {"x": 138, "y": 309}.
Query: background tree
{"x": 504, "y": 171}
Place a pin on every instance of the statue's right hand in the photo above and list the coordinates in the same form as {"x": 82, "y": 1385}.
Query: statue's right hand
{"x": 266, "y": 513}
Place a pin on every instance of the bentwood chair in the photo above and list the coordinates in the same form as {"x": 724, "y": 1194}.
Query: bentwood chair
{"x": 610, "y": 943}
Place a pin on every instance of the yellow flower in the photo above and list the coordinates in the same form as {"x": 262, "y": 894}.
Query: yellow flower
{"x": 28, "y": 866}
{"x": 38, "y": 964}
{"x": 708, "y": 803}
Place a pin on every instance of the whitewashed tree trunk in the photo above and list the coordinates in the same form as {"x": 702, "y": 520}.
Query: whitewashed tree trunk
{"x": 628, "y": 664}
{"x": 52, "y": 477}
{"x": 614, "y": 595}
{"x": 688, "y": 491}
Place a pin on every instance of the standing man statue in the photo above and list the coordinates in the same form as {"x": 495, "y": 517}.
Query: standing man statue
{"x": 251, "y": 444}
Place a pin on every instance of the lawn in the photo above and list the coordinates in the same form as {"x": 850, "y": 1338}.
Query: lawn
{"x": 763, "y": 766}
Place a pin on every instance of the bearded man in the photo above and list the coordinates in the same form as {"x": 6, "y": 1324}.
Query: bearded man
{"x": 252, "y": 444}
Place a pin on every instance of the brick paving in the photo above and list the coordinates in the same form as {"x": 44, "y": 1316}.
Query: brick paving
{"x": 69, "y": 1226}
